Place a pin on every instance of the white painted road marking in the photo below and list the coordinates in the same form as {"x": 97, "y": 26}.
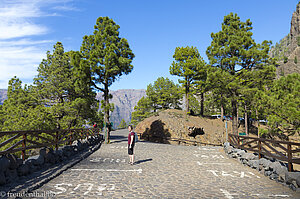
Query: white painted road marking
{"x": 206, "y": 149}
{"x": 230, "y": 195}
{"x": 110, "y": 170}
{"x": 97, "y": 159}
{"x": 87, "y": 187}
{"x": 220, "y": 163}
{"x": 118, "y": 147}
{"x": 209, "y": 156}
{"x": 227, "y": 194}
{"x": 232, "y": 174}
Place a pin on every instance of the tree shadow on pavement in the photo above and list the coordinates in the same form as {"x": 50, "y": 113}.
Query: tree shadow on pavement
{"x": 117, "y": 138}
{"x": 142, "y": 161}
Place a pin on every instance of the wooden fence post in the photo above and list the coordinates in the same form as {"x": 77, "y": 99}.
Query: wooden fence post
{"x": 70, "y": 138}
{"x": 24, "y": 146}
{"x": 259, "y": 148}
{"x": 290, "y": 165}
{"x": 56, "y": 140}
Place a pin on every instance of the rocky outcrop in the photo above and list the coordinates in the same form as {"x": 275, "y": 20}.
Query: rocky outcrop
{"x": 270, "y": 167}
{"x": 289, "y": 47}
{"x": 175, "y": 124}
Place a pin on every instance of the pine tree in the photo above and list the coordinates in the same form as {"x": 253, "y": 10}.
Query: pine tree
{"x": 63, "y": 86}
{"x": 108, "y": 56}
{"x": 141, "y": 111}
{"x": 281, "y": 103}
{"x": 187, "y": 65}
{"x": 219, "y": 81}
{"x": 234, "y": 51}
{"x": 201, "y": 84}
{"x": 22, "y": 111}
{"x": 122, "y": 125}
{"x": 163, "y": 94}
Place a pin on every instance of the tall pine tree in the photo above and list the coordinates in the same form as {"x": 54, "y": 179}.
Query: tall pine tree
{"x": 187, "y": 65}
{"x": 234, "y": 51}
{"x": 108, "y": 56}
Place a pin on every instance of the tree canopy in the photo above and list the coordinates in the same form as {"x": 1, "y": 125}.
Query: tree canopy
{"x": 235, "y": 52}
{"x": 187, "y": 65}
{"x": 108, "y": 56}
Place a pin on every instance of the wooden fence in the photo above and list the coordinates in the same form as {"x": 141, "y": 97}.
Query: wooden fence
{"x": 16, "y": 141}
{"x": 179, "y": 140}
{"x": 281, "y": 150}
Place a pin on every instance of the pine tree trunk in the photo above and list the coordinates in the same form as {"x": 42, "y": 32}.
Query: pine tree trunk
{"x": 246, "y": 120}
{"x": 222, "y": 109}
{"x": 256, "y": 112}
{"x": 106, "y": 111}
{"x": 187, "y": 90}
{"x": 237, "y": 112}
{"x": 202, "y": 104}
{"x": 234, "y": 117}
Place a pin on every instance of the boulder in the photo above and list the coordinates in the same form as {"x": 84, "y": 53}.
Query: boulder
{"x": 249, "y": 156}
{"x": 59, "y": 154}
{"x": 264, "y": 163}
{"x": 79, "y": 145}
{"x": 226, "y": 144}
{"x": 36, "y": 160}
{"x": 233, "y": 155}
{"x": 14, "y": 161}
{"x": 43, "y": 152}
{"x": 50, "y": 158}
{"x": 23, "y": 169}
{"x": 4, "y": 163}
{"x": 2, "y": 178}
{"x": 280, "y": 170}
{"x": 241, "y": 153}
{"x": 254, "y": 164}
{"x": 293, "y": 187}
{"x": 291, "y": 177}
{"x": 11, "y": 175}
{"x": 229, "y": 149}
{"x": 273, "y": 176}
{"x": 268, "y": 173}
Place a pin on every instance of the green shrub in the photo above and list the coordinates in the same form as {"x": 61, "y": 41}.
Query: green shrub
{"x": 285, "y": 59}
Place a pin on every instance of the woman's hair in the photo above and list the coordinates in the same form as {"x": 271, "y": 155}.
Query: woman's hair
{"x": 130, "y": 126}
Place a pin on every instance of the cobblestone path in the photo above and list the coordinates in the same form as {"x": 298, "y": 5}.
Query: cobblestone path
{"x": 162, "y": 171}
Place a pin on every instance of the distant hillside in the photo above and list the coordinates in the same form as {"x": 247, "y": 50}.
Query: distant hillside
{"x": 124, "y": 100}
{"x": 3, "y": 95}
{"x": 287, "y": 51}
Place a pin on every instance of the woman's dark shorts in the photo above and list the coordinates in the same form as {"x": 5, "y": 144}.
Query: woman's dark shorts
{"x": 130, "y": 150}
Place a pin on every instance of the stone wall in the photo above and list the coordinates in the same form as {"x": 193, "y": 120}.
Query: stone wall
{"x": 12, "y": 167}
{"x": 270, "y": 167}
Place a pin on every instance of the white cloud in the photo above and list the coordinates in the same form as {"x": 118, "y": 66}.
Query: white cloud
{"x": 66, "y": 8}
{"x": 20, "y": 53}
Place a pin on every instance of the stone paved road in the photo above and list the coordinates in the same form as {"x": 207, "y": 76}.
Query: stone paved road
{"x": 162, "y": 171}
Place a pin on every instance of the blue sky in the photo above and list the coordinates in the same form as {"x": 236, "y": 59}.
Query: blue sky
{"x": 153, "y": 28}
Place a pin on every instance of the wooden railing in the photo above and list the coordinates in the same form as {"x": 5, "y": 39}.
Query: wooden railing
{"x": 281, "y": 150}
{"x": 23, "y": 141}
{"x": 179, "y": 140}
